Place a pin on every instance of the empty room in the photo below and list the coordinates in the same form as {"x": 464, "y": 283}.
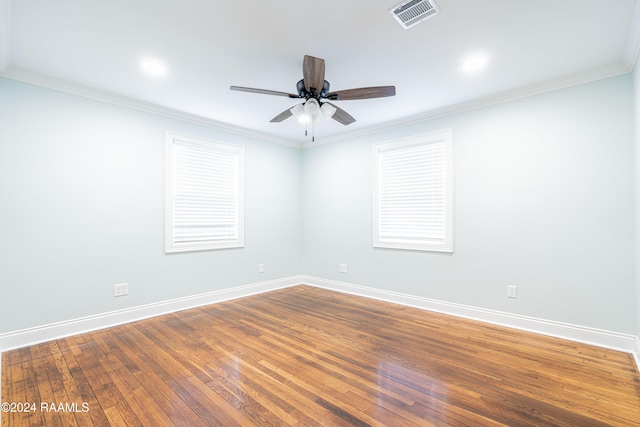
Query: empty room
{"x": 297, "y": 213}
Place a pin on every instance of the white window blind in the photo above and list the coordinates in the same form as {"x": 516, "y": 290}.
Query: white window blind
{"x": 413, "y": 193}
{"x": 204, "y": 200}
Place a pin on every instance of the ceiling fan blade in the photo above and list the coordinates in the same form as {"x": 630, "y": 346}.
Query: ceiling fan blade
{"x": 313, "y": 73}
{"x": 341, "y": 116}
{"x": 263, "y": 91}
{"x": 280, "y": 117}
{"x": 362, "y": 93}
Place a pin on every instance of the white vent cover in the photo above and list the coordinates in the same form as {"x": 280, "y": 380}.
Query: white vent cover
{"x": 410, "y": 13}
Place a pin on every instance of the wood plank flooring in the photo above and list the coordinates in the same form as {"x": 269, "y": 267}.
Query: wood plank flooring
{"x": 304, "y": 356}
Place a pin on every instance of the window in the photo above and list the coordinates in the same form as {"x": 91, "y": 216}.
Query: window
{"x": 204, "y": 194}
{"x": 413, "y": 193}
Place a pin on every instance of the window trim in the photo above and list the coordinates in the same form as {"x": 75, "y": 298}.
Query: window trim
{"x": 445, "y": 136}
{"x": 170, "y": 245}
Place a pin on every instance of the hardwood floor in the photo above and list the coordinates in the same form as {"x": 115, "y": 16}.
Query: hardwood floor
{"x": 308, "y": 356}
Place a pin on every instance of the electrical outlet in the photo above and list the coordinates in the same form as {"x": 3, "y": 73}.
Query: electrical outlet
{"x": 343, "y": 268}
{"x": 260, "y": 268}
{"x": 512, "y": 291}
{"x": 120, "y": 289}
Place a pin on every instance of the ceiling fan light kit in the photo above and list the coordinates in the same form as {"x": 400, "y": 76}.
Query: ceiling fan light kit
{"x": 299, "y": 112}
{"x": 314, "y": 89}
{"x": 312, "y": 107}
{"x": 328, "y": 110}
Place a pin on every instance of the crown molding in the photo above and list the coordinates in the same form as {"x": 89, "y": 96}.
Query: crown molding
{"x": 136, "y": 104}
{"x": 627, "y": 64}
{"x": 604, "y": 72}
{"x": 511, "y": 95}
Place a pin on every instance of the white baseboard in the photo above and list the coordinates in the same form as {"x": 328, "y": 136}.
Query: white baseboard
{"x": 607, "y": 339}
{"x": 40, "y": 334}
{"x": 601, "y": 338}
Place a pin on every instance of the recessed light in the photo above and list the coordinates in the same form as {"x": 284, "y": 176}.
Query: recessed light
{"x": 153, "y": 67}
{"x": 474, "y": 63}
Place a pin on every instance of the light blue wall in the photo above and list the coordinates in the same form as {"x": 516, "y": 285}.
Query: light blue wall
{"x": 543, "y": 200}
{"x": 81, "y": 208}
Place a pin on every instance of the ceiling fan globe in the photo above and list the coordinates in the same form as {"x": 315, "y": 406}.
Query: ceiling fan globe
{"x": 312, "y": 107}
{"x": 328, "y": 110}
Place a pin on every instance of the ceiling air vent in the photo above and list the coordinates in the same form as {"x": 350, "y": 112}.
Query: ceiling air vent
{"x": 410, "y": 13}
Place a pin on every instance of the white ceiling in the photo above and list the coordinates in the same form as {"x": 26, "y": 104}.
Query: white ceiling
{"x": 95, "y": 47}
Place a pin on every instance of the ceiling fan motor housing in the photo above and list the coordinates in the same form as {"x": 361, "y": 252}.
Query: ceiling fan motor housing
{"x": 304, "y": 94}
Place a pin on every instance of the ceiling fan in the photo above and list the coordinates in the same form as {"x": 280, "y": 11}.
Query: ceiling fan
{"x": 314, "y": 89}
